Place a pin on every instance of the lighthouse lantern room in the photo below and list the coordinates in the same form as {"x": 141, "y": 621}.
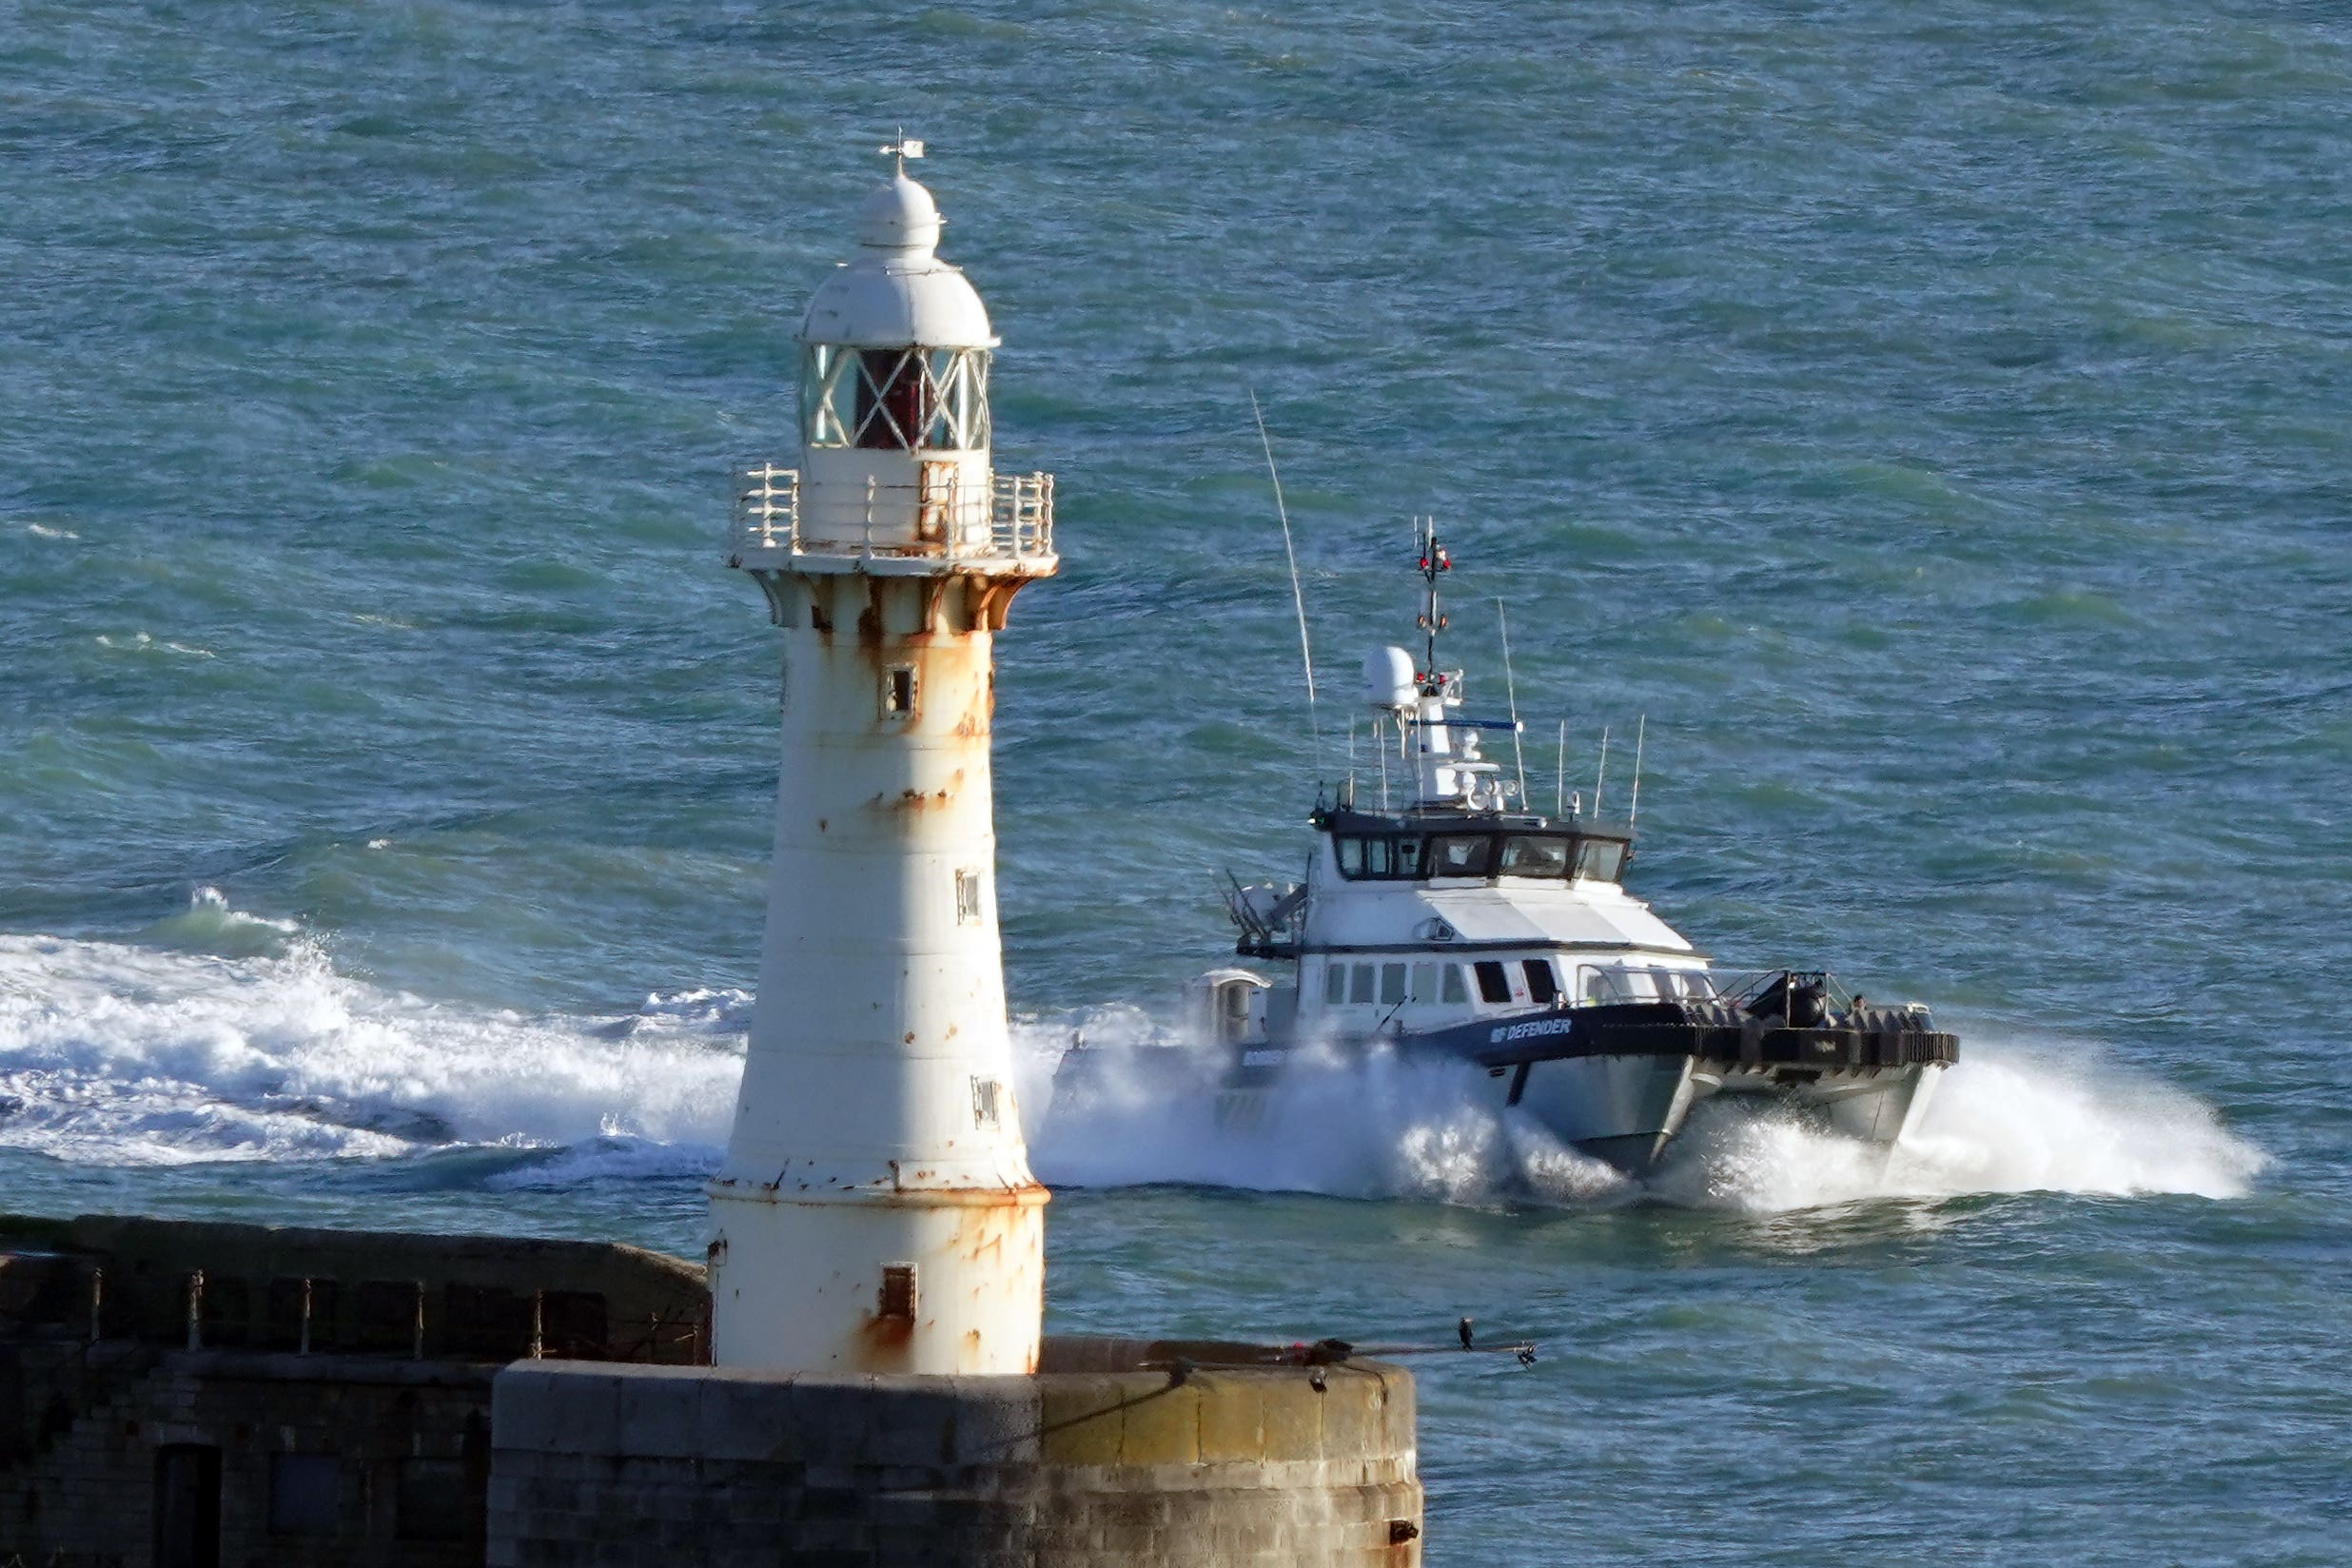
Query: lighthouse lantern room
{"x": 876, "y": 1209}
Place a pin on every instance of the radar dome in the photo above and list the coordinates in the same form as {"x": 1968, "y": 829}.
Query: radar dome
{"x": 1390, "y": 683}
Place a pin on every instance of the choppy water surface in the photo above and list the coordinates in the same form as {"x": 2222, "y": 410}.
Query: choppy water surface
{"x": 1936, "y": 423}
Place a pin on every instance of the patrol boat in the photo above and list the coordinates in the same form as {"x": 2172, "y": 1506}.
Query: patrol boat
{"x": 1464, "y": 927}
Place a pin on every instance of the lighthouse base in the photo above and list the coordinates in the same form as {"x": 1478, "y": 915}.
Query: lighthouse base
{"x": 922, "y": 1281}
{"x": 1117, "y": 1452}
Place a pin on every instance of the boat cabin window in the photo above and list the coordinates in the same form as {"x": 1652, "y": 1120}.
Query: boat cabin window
{"x": 1604, "y": 986}
{"x": 1459, "y": 855}
{"x": 1494, "y": 986}
{"x": 1392, "y": 984}
{"x": 1455, "y": 989}
{"x": 1424, "y": 983}
{"x": 1385, "y": 857}
{"x": 1379, "y": 858}
{"x": 1602, "y": 860}
{"x": 1534, "y": 854}
{"x": 1360, "y": 985}
{"x": 1683, "y": 982}
{"x": 1542, "y": 985}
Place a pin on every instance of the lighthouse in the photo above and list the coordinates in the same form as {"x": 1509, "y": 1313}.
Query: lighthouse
{"x": 875, "y": 1211}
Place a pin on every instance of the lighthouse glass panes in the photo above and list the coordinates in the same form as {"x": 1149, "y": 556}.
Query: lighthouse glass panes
{"x": 895, "y": 399}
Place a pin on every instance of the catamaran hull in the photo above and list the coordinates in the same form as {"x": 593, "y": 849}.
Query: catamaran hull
{"x": 1617, "y": 1080}
{"x": 1623, "y": 1110}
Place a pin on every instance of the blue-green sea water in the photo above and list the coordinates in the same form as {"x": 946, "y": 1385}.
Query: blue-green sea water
{"x": 1935, "y": 421}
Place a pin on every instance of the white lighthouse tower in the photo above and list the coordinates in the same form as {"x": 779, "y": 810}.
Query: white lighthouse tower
{"x": 875, "y": 1211}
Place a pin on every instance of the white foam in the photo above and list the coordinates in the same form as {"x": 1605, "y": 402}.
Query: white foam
{"x": 140, "y": 641}
{"x": 2005, "y": 1120}
{"x": 44, "y": 531}
{"x": 122, "y": 1055}
{"x": 246, "y": 1045}
{"x": 1145, "y": 1108}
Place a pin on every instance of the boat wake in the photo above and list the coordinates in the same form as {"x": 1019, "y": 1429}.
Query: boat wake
{"x": 252, "y": 1047}
{"x": 2005, "y": 1120}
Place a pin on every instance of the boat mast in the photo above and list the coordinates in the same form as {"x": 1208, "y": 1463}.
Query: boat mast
{"x": 1433, "y": 561}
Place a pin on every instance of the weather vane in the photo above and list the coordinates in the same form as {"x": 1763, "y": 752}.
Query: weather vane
{"x": 902, "y": 150}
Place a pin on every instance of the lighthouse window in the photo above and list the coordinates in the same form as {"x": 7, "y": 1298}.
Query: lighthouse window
{"x": 821, "y": 373}
{"x": 898, "y": 692}
{"x": 895, "y": 399}
{"x": 890, "y": 408}
{"x": 960, "y": 410}
{"x": 896, "y": 1298}
{"x": 968, "y": 897}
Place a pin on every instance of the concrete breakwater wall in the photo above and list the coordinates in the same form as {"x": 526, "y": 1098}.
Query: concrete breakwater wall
{"x": 1189, "y": 1459}
{"x": 121, "y": 1446}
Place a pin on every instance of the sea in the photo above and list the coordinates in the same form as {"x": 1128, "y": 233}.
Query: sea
{"x": 1928, "y": 428}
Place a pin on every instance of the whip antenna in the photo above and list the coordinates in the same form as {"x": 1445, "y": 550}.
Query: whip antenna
{"x": 1298, "y": 599}
{"x": 1602, "y": 776}
{"x": 1639, "y": 732}
{"x": 1510, "y": 690}
{"x": 1559, "y": 775}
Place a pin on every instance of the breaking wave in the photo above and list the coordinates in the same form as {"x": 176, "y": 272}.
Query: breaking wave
{"x": 257, "y": 1050}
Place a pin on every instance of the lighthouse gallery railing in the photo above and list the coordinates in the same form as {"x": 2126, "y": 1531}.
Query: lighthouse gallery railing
{"x": 1017, "y": 524}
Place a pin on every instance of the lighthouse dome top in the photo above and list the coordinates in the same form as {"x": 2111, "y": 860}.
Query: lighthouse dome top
{"x": 896, "y": 293}
{"x": 899, "y": 216}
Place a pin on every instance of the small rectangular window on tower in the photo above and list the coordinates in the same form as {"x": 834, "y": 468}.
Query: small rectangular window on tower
{"x": 898, "y": 692}
{"x": 968, "y": 897}
{"x": 897, "y": 1295}
{"x": 984, "y": 1092}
